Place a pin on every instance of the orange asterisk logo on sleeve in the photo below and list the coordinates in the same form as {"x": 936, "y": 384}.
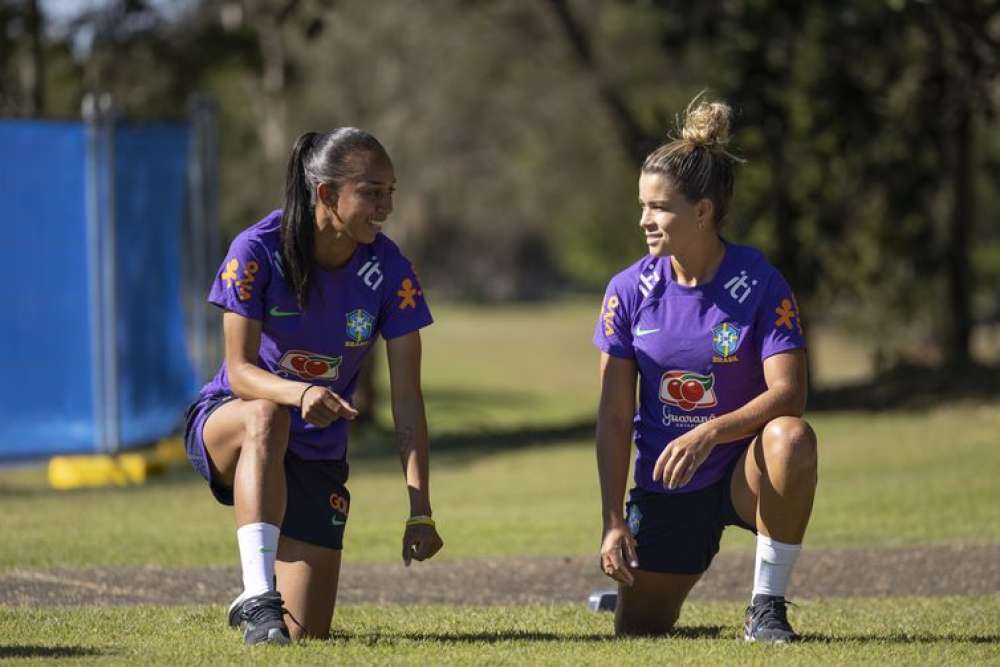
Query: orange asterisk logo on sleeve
{"x": 230, "y": 276}
{"x": 408, "y": 294}
{"x": 786, "y": 313}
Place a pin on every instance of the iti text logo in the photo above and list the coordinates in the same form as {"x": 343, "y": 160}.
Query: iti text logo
{"x": 688, "y": 390}
{"x": 739, "y": 287}
{"x": 648, "y": 279}
{"x": 371, "y": 273}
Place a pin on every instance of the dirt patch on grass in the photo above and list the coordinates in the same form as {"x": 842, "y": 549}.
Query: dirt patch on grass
{"x": 910, "y": 571}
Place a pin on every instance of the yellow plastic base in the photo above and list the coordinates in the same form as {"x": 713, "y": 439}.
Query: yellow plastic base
{"x": 75, "y": 472}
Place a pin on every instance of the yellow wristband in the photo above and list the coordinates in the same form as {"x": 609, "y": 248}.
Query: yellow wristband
{"x": 422, "y": 520}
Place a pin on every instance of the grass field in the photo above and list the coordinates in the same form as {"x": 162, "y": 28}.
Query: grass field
{"x": 901, "y": 631}
{"x": 511, "y": 397}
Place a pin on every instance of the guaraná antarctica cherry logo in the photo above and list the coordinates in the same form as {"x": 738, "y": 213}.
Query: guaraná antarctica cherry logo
{"x": 310, "y": 365}
{"x": 688, "y": 390}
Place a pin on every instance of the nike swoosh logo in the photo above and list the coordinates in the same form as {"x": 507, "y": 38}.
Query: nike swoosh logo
{"x": 643, "y": 332}
{"x": 276, "y": 312}
{"x": 265, "y": 550}
{"x": 337, "y": 522}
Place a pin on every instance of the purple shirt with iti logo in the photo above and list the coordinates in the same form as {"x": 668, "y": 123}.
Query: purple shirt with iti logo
{"x": 375, "y": 293}
{"x": 699, "y": 350}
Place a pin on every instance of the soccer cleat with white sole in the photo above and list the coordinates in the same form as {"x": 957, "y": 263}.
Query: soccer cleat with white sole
{"x": 767, "y": 621}
{"x": 262, "y": 618}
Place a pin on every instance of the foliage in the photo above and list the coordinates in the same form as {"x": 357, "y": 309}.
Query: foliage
{"x": 869, "y": 128}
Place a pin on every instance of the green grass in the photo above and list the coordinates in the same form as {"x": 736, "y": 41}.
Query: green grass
{"x": 907, "y": 631}
{"x": 884, "y": 480}
{"x": 509, "y": 366}
{"x": 511, "y": 396}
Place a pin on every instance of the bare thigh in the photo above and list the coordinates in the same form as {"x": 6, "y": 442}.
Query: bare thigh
{"x": 229, "y": 426}
{"x": 307, "y": 579}
{"x": 652, "y": 604}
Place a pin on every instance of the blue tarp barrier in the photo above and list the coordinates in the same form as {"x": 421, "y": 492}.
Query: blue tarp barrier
{"x": 53, "y": 370}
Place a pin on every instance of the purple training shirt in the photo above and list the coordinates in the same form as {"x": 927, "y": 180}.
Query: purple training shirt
{"x": 699, "y": 350}
{"x": 375, "y": 293}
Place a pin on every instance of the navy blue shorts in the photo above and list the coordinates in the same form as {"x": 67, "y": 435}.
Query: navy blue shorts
{"x": 679, "y": 533}
{"x": 318, "y": 501}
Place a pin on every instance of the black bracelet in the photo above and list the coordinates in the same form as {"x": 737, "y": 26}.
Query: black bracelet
{"x": 303, "y": 395}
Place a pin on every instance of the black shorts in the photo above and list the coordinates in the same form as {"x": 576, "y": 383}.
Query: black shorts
{"x": 318, "y": 501}
{"x": 679, "y": 533}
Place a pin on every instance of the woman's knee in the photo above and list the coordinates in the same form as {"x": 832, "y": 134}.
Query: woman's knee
{"x": 645, "y": 624}
{"x": 633, "y": 620}
{"x": 791, "y": 443}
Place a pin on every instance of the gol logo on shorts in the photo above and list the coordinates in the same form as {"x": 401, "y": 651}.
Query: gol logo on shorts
{"x": 338, "y": 503}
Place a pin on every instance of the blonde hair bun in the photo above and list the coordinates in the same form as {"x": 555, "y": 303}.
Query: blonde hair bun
{"x": 707, "y": 123}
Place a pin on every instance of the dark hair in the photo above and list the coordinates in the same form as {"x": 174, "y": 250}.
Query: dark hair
{"x": 698, "y": 163}
{"x": 331, "y": 157}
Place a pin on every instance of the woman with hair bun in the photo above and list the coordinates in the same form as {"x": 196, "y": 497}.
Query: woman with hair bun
{"x": 712, "y": 334}
{"x": 306, "y": 292}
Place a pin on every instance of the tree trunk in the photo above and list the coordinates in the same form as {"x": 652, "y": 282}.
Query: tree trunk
{"x": 963, "y": 209}
{"x": 636, "y": 143}
{"x": 34, "y": 65}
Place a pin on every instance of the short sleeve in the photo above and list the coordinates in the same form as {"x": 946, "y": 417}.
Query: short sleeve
{"x": 778, "y": 325}
{"x": 241, "y": 281}
{"x": 404, "y": 308}
{"x": 613, "y": 332}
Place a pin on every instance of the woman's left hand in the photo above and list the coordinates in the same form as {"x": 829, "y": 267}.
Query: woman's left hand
{"x": 683, "y": 456}
{"x": 420, "y": 542}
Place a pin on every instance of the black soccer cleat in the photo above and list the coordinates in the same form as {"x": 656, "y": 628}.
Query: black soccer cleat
{"x": 767, "y": 621}
{"x": 262, "y": 618}
{"x": 235, "y": 614}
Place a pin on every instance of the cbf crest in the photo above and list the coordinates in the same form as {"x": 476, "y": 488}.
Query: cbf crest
{"x": 360, "y": 325}
{"x": 725, "y": 340}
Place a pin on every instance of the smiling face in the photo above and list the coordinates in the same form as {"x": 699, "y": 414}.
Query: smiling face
{"x": 671, "y": 223}
{"x": 364, "y": 202}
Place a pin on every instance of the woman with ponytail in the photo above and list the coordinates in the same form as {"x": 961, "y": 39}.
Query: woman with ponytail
{"x": 306, "y": 292}
{"x": 712, "y": 334}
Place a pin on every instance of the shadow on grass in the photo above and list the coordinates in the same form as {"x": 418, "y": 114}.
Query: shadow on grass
{"x": 30, "y": 651}
{"x": 911, "y": 387}
{"x": 376, "y": 441}
{"x": 901, "y": 638}
{"x": 372, "y": 638}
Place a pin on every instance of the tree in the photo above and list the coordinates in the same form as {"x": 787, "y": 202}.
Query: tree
{"x": 848, "y": 113}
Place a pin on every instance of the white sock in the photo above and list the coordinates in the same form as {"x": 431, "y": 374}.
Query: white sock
{"x": 773, "y": 566}
{"x": 258, "y": 549}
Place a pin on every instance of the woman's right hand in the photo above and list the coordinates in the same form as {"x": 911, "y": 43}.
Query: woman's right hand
{"x": 618, "y": 553}
{"x": 321, "y": 407}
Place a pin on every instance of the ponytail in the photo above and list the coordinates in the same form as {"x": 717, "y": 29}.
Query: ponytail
{"x": 317, "y": 158}
{"x": 297, "y": 228}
